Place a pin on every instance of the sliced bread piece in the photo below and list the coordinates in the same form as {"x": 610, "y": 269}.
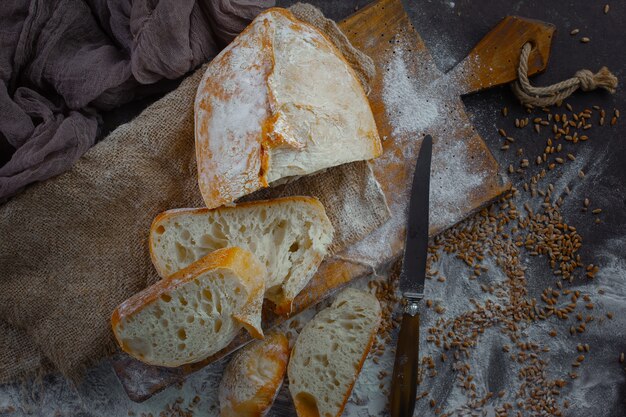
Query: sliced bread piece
{"x": 195, "y": 312}
{"x": 289, "y": 235}
{"x": 279, "y": 101}
{"x": 329, "y": 353}
{"x": 253, "y": 377}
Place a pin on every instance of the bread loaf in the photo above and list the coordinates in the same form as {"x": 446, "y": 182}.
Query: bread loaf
{"x": 253, "y": 377}
{"x": 288, "y": 235}
{"x": 329, "y": 353}
{"x": 279, "y": 101}
{"x": 195, "y": 312}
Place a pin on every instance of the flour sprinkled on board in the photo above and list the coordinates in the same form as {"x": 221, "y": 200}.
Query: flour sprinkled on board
{"x": 416, "y": 104}
{"x": 415, "y": 109}
{"x": 447, "y": 186}
{"x": 406, "y": 107}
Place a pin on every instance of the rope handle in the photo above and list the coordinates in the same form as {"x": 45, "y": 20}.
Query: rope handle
{"x": 546, "y": 96}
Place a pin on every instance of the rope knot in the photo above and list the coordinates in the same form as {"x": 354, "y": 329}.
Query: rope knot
{"x": 552, "y": 94}
{"x": 587, "y": 79}
{"x": 602, "y": 79}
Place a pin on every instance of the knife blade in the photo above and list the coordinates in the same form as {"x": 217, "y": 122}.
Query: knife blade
{"x": 412, "y": 278}
{"x": 413, "y": 274}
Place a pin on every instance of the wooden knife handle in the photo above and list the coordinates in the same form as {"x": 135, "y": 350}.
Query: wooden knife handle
{"x": 404, "y": 378}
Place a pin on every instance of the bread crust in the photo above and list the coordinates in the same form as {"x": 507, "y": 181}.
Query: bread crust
{"x": 374, "y": 139}
{"x": 243, "y": 390}
{"x": 231, "y": 165}
{"x": 366, "y": 352}
{"x": 240, "y": 261}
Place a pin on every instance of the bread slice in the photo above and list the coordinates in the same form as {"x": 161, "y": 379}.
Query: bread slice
{"x": 329, "y": 353}
{"x": 253, "y": 377}
{"x": 279, "y": 101}
{"x": 289, "y": 235}
{"x": 195, "y": 312}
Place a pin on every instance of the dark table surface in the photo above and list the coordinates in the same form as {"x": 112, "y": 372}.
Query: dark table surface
{"x": 451, "y": 29}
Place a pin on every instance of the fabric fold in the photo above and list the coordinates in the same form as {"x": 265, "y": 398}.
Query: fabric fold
{"x": 89, "y": 56}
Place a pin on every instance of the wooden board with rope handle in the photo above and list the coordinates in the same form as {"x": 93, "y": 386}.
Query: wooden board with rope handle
{"x": 380, "y": 29}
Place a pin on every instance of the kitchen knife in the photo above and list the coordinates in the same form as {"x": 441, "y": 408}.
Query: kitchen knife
{"x": 412, "y": 277}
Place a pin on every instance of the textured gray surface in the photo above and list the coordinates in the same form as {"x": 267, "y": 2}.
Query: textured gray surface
{"x": 450, "y": 29}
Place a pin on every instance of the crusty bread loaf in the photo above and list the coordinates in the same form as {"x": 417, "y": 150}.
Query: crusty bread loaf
{"x": 279, "y": 101}
{"x": 289, "y": 235}
{"x": 329, "y": 353}
{"x": 195, "y": 312}
{"x": 253, "y": 377}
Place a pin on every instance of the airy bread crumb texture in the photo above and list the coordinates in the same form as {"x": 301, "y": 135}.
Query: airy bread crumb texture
{"x": 329, "y": 352}
{"x": 196, "y": 312}
{"x": 289, "y": 236}
{"x": 177, "y": 327}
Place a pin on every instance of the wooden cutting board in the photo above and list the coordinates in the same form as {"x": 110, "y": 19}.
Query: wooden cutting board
{"x": 410, "y": 98}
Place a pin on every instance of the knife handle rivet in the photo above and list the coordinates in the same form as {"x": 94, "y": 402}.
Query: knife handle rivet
{"x": 411, "y": 308}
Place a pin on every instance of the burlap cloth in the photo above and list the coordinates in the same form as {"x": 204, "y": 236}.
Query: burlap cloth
{"x": 74, "y": 247}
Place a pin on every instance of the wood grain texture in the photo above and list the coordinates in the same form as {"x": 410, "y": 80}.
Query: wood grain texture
{"x": 379, "y": 30}
{"x": 494, "y": 60}
{"x": 405, "y": 375}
